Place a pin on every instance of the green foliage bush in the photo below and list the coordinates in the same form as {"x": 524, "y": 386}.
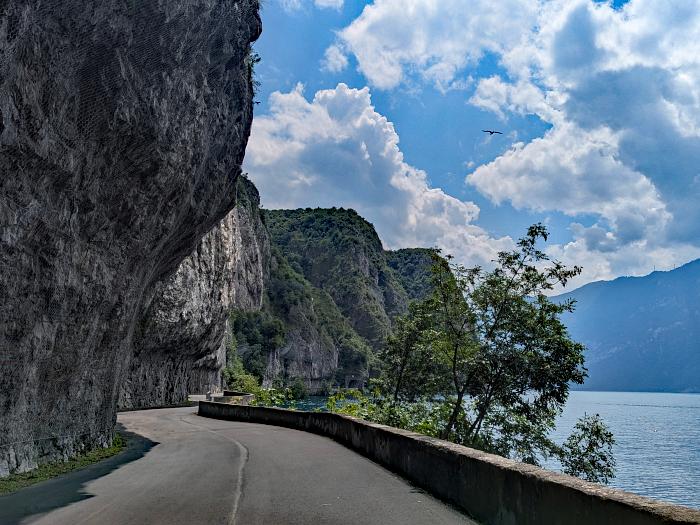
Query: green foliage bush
{"x": 237, "y": 378}
{"x": 235, "y": 375}
{"x": 298, "y": 389}
{"x": 587, "y": 453}
{"x": 274, "y": 397}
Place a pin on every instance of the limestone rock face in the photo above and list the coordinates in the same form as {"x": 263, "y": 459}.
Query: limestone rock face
{"x": 123, "y": 124}
{"x": 305, "y": 356}
{"x": 179, "y": 347}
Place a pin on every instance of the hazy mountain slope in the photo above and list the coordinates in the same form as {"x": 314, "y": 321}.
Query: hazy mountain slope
{"x": 642, "y": 333}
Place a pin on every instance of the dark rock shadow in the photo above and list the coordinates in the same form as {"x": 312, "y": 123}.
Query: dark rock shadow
{"x": 69, "y": 488}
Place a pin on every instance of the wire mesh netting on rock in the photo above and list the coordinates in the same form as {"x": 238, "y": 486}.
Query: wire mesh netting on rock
{"x": 123, "y": 124}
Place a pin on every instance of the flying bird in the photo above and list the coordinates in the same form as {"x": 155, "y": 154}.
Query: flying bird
{"x": 491, "y": 132}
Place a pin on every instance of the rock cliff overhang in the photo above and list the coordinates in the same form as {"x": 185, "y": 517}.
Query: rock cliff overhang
{"x": 123, "y": 125}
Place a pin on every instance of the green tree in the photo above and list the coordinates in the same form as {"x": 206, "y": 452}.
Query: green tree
{"x": 413, "y": 371}
{"x": 490, "y": 355}
{"x": 587, "y": 453}
{"x": 298, "y": 389}
{"x": 235, "y": 376}
{"x": 507, "y": 349}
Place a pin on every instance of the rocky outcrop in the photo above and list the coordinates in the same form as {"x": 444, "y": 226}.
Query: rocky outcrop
{"x": 123, "y": 125}
{"x": 319, "y": 346}
{"x": 303, "y": 356}
{"x": 179, "y": 347}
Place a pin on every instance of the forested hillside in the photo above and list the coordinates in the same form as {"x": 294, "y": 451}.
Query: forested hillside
{"x": 412, "y": 268}
{"x": 332, "y": 292}
{"x": 298, "y": 334}
{"x": 339, "y": 252}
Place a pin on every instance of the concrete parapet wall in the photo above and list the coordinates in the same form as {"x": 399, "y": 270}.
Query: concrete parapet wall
{"x": 244, "y": 399}
{"x": 491, "y": 489}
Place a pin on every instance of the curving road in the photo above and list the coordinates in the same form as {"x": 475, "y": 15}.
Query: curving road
{"x": 180, "y": 468}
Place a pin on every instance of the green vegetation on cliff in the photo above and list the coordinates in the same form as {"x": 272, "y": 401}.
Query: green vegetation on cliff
{"x": 331, "y": 296}
{"x": 340, "y": 252}
{"x": 298, "y": 334}
{"x": 257, "y": 334}
{"x": 412, "y": 268}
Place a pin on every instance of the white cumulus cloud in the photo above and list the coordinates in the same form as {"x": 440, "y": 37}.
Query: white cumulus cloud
{"x": 334, "y": 4}
{"x": 336, "y": 150}
{"x": 290, "y": 5}
{"x": 334, "y": 60}
{"x": 434, "y": 38}
{"x": 576, "y": 172}
{"x": 620, "y": 88}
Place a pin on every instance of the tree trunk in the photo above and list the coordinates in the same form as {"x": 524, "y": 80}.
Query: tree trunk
{"x": 399, "y": 380}
{"x": 453, "y": 417}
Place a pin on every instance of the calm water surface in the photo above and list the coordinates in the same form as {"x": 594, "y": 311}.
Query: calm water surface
{"x": 657, "y": 439}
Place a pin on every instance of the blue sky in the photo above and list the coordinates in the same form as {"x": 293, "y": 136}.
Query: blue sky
{"x": 379, "y": 105}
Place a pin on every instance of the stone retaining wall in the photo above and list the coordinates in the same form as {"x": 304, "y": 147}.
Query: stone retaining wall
{"x": 491, "y": 489}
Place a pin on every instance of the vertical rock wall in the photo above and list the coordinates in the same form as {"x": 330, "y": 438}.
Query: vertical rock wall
{"x": 123, "y": 124}
{"x": 303, "y": 356}
{"x": 179, "y": 347}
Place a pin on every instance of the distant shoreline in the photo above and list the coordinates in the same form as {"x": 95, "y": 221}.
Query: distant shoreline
{"x": 579, "y": 389}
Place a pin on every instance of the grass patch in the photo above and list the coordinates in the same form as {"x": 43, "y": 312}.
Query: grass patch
{"x": 50, "y": 470}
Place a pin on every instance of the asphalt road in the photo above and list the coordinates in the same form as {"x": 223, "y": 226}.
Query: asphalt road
{"x": 180, "y": 468}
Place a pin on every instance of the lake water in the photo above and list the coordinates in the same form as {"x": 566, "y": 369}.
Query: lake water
{"x": 657, "y": 439}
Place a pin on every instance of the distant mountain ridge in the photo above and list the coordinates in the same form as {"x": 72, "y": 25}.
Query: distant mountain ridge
{"x": 641, "y": 333}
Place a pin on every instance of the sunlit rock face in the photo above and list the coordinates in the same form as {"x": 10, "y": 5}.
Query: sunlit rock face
{"x": 123, "y": 124}
{"x": 179, "y": 346}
